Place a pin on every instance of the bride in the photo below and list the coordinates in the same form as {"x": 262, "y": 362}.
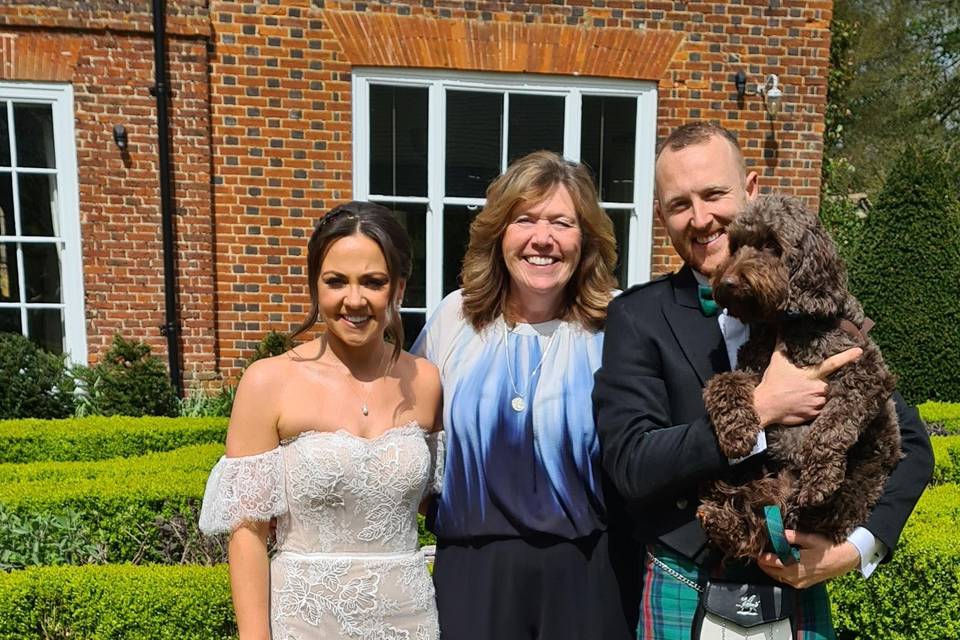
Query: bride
{"x": 335, "y": 439}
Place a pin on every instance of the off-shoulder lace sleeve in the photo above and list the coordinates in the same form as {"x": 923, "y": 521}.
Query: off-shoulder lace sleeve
{"x": 437, "y": 444}
{"x": 243, "y": 489}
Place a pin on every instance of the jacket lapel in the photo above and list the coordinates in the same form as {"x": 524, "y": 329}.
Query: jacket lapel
{"x": 699, "y": 336}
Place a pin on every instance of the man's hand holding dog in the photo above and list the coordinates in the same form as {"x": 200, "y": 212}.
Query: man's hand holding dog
{"x": 791, "y": 395}
{"x": 820, "y": 559}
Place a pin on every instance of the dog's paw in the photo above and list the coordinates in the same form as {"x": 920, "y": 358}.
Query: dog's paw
{"x": 728, "y": 398}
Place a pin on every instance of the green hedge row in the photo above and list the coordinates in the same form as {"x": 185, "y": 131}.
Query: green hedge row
{"x": 946, "y": 455}
{"x": 944, "y": 413}
{"x": 139, "y": 509}
{"x": 120, "y": 602}
{"x": 99, "y": 438}
{"x": 916, "y": 596}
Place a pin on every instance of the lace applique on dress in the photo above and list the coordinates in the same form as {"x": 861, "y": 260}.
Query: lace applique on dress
{"x": 248, "y": 488}
{"x": 348, "y": 564}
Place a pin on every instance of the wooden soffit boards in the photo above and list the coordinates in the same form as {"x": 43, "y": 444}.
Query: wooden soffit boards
{"x": 40, "y": 58}
{"x": 381, "y": 40}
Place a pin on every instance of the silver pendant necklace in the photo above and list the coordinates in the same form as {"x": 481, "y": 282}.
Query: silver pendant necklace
{"x": 519, "y": 402}
{"x": 364, "y": 409}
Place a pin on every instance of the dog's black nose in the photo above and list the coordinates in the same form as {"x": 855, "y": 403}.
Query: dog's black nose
{"x": 726, "y": 284}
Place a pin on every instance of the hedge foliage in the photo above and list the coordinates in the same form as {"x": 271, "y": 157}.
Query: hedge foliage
{"x": 916, "y": 596}
{"x": 120, "y": 602}
{"x": 946, "y": 455}
{"x": 946, "y": 414}
{"x": 99, "y": 438}
{"x": 907, "y": 275}
{"x": 35, "y": 383}
{"x": 139, "y": 509}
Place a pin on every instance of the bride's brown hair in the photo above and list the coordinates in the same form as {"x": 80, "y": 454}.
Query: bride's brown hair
{"x": 377, "y": 223}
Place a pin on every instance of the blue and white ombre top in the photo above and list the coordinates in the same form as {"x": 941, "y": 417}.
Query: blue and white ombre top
{"x": 516, "y": 473}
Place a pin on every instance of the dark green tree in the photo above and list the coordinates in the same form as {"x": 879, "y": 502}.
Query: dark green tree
{"x": 907, "y": 274}
{"x": 33, "y": 383}
{"x": 128, "y": 381}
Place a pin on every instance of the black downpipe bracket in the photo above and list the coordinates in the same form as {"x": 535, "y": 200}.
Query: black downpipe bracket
{"x": 161, "y": 90}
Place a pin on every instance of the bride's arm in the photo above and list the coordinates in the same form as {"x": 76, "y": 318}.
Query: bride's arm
{"x": 252, "y": 430}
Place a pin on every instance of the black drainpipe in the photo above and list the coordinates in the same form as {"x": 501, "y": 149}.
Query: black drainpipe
{"x": 171, "y": 328}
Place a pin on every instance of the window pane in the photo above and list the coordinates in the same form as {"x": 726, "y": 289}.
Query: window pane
{"x": 46, "y": 328}
{"x": 413, "y": 322}
{"x": 33, "y": 125}
{"x": 7, "y": 225}
{"x": 607, "y": 136}
{"x": 456, "y": 235}
{"x": 4, "y": 136}
{"x": 41, "y": 271}
{"x": 9, "y": 281}
{"x": 398, "y": 140}
{"x": 621, "y": 230}
{"x": 535, "y": 123}
{"x": 413, "y": 217}
{"x": 10, "y": 321}
{"x": 474, "y": 122}
{"x": 38, "y": 195}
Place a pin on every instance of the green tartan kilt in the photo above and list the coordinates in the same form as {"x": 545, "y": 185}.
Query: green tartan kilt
{"x": 667, "y": 606}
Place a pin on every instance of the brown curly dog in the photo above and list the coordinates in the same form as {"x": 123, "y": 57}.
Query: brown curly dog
{"x": 785, "y": 279}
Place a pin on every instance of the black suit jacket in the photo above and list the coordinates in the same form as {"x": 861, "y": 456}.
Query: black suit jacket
{"x": 656, "y": 439}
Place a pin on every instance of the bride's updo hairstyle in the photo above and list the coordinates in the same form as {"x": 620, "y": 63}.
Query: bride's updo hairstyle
{"x": 377, "y": 223}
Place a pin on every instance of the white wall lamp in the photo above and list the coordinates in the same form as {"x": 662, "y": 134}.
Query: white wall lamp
{"x": 772, "y": 93}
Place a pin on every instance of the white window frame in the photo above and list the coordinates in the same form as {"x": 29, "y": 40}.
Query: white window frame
{"x": 639, "y": 236}
{"x": 67, "y": 210}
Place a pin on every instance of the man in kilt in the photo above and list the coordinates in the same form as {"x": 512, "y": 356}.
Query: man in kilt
{"x": 664, "y": 340}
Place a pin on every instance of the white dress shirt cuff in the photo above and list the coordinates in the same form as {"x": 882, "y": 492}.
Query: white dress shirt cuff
{"x": 871, "y": 550}
{"x": 759, "y": 447}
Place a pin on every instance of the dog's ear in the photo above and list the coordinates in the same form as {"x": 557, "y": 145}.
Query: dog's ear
{"x": 818, "y": 278}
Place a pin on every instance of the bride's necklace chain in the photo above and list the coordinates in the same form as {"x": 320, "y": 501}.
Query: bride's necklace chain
{"x": 354, "y": 384}
{"x": 519, "y": 402}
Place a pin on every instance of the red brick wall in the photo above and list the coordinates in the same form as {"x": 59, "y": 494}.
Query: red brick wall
{"x": 276, "y": 150}
{"x": 111, "y": 72}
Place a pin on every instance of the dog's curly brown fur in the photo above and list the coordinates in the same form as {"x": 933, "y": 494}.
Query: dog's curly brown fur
{"x": 785, "y": 279}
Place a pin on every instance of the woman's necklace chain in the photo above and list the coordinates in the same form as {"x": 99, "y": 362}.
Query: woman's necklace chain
{"x": 351, "y": 380}
{"x": 519, "y": 402}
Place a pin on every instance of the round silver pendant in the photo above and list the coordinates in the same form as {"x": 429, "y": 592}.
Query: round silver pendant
{"x": 518, "y": 404}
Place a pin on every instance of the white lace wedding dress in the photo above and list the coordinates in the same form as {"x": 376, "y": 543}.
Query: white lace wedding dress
{"x": 347, "y": 563}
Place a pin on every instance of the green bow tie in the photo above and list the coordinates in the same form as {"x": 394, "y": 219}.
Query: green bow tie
{"x": 708, "y": 305}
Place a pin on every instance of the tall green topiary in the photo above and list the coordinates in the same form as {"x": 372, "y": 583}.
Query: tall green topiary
{"x": 33, "y": 383}
{"x": 128, "y": 381}
{"x": 907, "y": 274}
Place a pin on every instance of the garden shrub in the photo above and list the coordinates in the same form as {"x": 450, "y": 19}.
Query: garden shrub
{"x": 842, "y": 220}
{"x": 128, "y": 381}
{"x": 141, "y": 509}
{"x": 916, "y": 596}
{"x": 272, "y": 344}
{"x": 946, "y": 414}
{"x": 99, "y": 438}
{"x": 45, "y": 538}
{"x": 946, "y": 455}
{"x": 116, "y": 603}
{"x": 203, "y": 403}
{"x": 907, "y": 275}
{"x": 36, "y": 384}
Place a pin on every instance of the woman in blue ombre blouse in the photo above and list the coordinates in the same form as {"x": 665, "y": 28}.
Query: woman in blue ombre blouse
{"x": 523, "y": 549}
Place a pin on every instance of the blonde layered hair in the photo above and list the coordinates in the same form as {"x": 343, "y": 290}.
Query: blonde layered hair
{"x": 527, "y": 182}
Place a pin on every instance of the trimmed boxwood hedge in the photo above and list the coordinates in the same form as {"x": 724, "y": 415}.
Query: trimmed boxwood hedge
{"x": 946, "y": 455}
{"x": 944, "y": 413}
{"x": 99, "y": 438}
{"x": 140, "y": 509}
{"x": 916, "y": 596}
{"x": 120, "y": 602}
